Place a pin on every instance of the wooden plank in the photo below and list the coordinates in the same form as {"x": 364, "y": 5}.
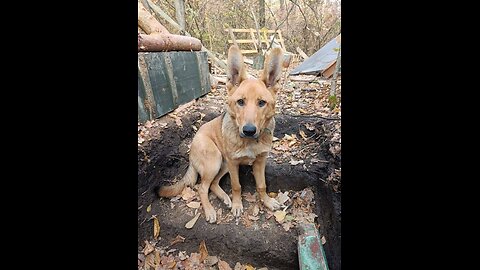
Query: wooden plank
{"x": 254, "y": 41}
{"x": 327, "y": 72}
{"x": 187, "y": 79}
{"x": 171, "y": 78}
{"x": 249, "y": 51}
{"x": 205, "y": 83}
{"x": 143, "y": 114}
{"x": 234, "y": 41}
{"x": 175, "y": 78}
{"x": 242, "y": 41}
{"x": 160, "y": 82}
{"x": 147, "y": 87}
{"x": 240, "y": 30}
{"x": 302, "y": 54}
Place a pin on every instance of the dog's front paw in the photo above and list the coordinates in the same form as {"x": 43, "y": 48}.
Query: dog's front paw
{"x": 271, "y": 203}
{"x": 210, "y": 214}
{"x": 237, "y": 209}
{"x": 227, "y": 201}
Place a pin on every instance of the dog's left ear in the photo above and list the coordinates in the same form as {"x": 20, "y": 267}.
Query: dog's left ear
{"x": 272, "y": 69}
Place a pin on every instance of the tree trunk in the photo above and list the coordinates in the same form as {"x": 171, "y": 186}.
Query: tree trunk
{"x": 161, "y": 42}
{"x": 180, "y": 13}
{"x": 333, "y": 97}
{"x": 261, "y": 15}
{"x": 148, "y": 23}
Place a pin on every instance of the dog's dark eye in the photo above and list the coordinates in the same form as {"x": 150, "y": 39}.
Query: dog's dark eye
{"x": 262, "y": 103}
{"x": 240, "y": 102}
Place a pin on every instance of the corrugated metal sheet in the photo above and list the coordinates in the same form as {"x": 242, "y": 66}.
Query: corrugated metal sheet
{"x": 320, "y": 60}
{"x": 169, "y": 79}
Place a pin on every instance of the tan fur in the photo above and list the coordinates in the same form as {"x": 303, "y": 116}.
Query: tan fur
{"x": 220, "y": 146}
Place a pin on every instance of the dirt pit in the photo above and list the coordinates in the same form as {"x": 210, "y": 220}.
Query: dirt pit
{"x": 296, "y": 166}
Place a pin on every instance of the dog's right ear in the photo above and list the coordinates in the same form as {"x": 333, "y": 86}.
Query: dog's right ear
{"x": 236, "y": 72}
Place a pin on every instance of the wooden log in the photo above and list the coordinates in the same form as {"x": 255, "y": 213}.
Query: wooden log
{"x": 160, "y": 42}
{"x": 148, "y": 23}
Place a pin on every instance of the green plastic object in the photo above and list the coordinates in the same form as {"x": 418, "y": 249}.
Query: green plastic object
{"x": 311, "y": 255}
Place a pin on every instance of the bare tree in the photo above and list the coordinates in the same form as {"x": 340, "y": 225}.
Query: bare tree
{"x": 180, "y": 13}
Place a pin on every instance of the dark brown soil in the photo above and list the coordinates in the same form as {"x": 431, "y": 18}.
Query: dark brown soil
{"x": 164, "y": 158}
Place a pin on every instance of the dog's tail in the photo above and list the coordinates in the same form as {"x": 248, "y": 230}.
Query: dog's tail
{"x": 189, "y": 179}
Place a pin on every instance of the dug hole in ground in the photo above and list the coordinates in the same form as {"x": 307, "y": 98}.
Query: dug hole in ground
{"x": 303, "y": 172}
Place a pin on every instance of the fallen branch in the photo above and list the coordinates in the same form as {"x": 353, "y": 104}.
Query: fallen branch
{"x": 148, "y": 23}
{"x": 302, "y": 54}
{"x": 161, "y": 42}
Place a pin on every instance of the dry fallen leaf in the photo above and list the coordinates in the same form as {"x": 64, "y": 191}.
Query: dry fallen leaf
{"x": 157, "y": 257}
{"x": 292, "y": 142}
{"x": 238, "y": 266}
{"x": 280, "y": 215}
{"x": 148, "y": 124}
{"x": 178, "y": 239}
{"x": 148, "y": 248}
{"x": 302, "y": 133}
{"x": 223, "y": 265}
{"x": 250, "y": 197}
{"x": 255, "y": 210}
{"x": 203, "y": 251}
{"x": 287, "y": 225}
{"x": 249, "y": 267}
{"x": 254, "y": 218}
{"x": 150, "y": 260}
{"x": 188, "y": 193}
{"x": 288, "y": 137}
{"x": 190, "y": 224}
{"x": 323, "y": 240}
{"x": 274, "y": 139}
{"x": 211, "y": 260}
{"x": 309, "y": 126}
{"x": 272, "y": 194}
{"x": 193, "y": 204}
{"x": 171, "y": 264}
{"x": 282, "y": 197}
{"x": 295, "y": 162}
{"x": 219, "y": 215}
{"x": 149, "y": 208}
{"x": 182, "y": 255}
{"x": 156, "y": 228}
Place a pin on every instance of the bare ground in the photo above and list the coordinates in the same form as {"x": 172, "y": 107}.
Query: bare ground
{"x": 306, "y": 156}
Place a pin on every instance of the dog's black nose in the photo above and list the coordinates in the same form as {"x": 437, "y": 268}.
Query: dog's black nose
{"x": 249, "y": 130}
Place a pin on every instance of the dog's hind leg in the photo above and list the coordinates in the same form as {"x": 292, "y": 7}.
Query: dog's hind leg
{"x": 207, "y": 161}
{"x": 215, "y": 187}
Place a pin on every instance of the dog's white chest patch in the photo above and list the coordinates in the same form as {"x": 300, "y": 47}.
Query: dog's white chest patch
{"x": 250, "y": 153}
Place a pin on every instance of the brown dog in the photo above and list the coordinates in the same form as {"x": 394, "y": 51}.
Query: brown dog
{"x": 241, "y": 136}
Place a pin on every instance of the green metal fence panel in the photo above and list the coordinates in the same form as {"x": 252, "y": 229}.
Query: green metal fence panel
{"x": 169, "y": 79}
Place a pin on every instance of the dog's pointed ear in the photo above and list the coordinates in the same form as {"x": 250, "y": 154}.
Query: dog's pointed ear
{"x": 236, "y": 72}
{"x": 272, "y": 69}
